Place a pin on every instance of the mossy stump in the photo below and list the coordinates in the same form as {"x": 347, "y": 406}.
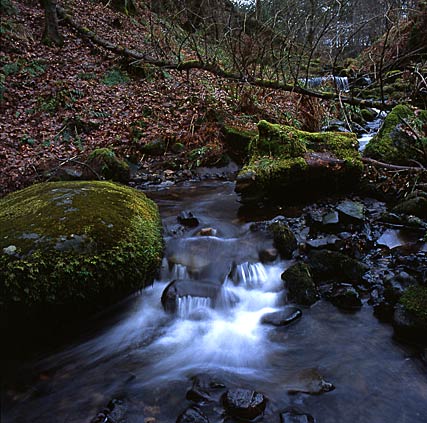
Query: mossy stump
{"x": 68, "y": 249}
{"x": 287, "y": 163}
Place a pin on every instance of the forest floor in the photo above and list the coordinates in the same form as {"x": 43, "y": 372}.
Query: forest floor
{"x": 59, "y": 104}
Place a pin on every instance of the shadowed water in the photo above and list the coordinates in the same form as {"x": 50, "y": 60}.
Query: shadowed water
{"x": 147, "y": 357}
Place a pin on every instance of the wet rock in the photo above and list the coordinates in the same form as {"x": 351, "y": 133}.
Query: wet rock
{"x": 282, "y": 318}
{"x": 326, "y": 264}
{"x": 188, "y": 288}
{"x": 187, "y": 218}
{"x": 351, "y": 211}
{"x": 268, "y": 255}
{"x": 175, "y": 230}
{"x": 300, "y": 285}
{"x": 114, "y": 412}
{"x": 325, "y": 242}
{"x": 205, "y": 389}
{"x": 310, "y": 381}
{"x": 327, "y": 221}
{"x": 345, "y": 296}
{"x": 284, "y": 238}
{"x": 410, "y": 316}
{"x": 293, "y": 415}
{"x": 414, "y": 206}
{"x": 207, "y": 232}
{"x": 244, "y": 403}
{"x": 192, "y": 415}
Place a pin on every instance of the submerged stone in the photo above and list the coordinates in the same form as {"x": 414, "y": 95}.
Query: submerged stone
{"x": 282, "y": 318}
{"x": 309, "y": 381}
{"x": 244, "y": 403}
{"x": 345, "y": 296}
{"x": 189, "y": 289}
{"x": 295, "y": 416}
{"x": 192, "y": 415}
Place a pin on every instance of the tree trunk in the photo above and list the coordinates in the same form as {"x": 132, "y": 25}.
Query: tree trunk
{"x": 126, "y": 6}
{"x": 51, "y": 35}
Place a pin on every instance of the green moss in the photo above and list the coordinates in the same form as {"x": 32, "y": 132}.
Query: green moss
{"x": 238, "y": 141}
{"x": 414, "y": 299}
{"x": 76, "y": 243}
{"x": 382, "y": 146}
{"x": 300, "y": 285}
{"x": 284, "y": 159}
{"x": 105, "y": 162}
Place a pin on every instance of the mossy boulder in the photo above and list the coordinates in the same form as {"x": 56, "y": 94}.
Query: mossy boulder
{"x": 76, "y": 246}
{"x": 237, "y": 141}
{"x": 300, "y": 285}
{"x": 287, "y": 162}
{"x": 410, "y": 317}
{"x": 390, "y": 144}
{"x": 416, "y": 206}
{"x": 104, "y": 163}
{"x": 333, "y": 265}
{"x": 283, "y": 238}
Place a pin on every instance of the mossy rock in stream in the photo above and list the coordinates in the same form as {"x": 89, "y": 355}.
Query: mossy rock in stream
{"x": 76, "y": 247}
{"x": 289, "y": 163}
{"x": 390, "y": 145}
{"x": 410, "y": 317}
{"x": 237, "y": 141}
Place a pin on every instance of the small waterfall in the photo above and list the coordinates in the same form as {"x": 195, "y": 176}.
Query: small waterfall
{"x": 249, "y": 275}
{"x": 340, "y": 82}
{"x": 173, "y": 271}
{"x": 187, "y": 305}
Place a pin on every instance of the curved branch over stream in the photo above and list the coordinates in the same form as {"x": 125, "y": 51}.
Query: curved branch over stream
{"x": 212, "y": 68}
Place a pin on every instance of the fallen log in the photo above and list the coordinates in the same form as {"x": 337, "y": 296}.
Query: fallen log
{"x": 213, "y": 68}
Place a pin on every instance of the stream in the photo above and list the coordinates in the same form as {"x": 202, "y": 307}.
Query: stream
{"x": 142, "y": 361}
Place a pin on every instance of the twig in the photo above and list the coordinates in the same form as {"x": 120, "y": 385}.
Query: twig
{"x": 391, "y": 166}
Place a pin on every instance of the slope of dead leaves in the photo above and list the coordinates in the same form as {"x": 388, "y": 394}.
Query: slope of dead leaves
{"x": 60, "y": 103}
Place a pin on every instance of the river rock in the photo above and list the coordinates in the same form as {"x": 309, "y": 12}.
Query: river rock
{"x": 324, "y": 220}
{"x": 187, "y": 218}
{"x": 284, "y": 238}
{"x": 78, "y": 246}
{"x": 390, "y": 145}
{"x": 300, "y": 285}
{"x": 345, "y": 296}
{"x": 410, "y": 316}
{"x": 324, "y": 242}
{"x": 293, "y": 415}
{"x": 244, "y": 403}
{"x": 205, "y": 389}
{"x": 326, "y": 264}
{"x": 189, "y": 288}
{"x": 282, "y": 318}
{"x": 309, "y": 381}
{"x": 268, "y": 255}
{"x": 192, "y": 415}
{"x": 351, "y": 211}
{"x": 414, "y": 206}
{"x": 287, "y": 163}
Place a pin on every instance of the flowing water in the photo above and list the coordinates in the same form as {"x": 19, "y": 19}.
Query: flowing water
{"x": 147, "y": 357}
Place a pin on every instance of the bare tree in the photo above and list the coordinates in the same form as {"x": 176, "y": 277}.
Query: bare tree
{"x": 51, "y": 34}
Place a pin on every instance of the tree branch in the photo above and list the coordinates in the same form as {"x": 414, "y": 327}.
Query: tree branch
{"x": 391, "y": 166}
{"x": 214, "y": 69}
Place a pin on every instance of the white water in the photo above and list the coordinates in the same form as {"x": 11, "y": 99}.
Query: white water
{"x": 340, "y": 82}
{"x": 372, "y": 128}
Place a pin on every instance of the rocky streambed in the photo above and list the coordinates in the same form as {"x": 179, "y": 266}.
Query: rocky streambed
{"x": 262, "y": 313}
